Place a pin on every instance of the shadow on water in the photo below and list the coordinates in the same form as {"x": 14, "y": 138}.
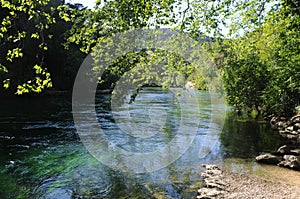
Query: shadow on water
{"x": 41, "y": 155}
{"x": 244, "y": 138}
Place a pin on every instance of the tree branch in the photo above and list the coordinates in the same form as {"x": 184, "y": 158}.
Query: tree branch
{"x": 184, "y": 14}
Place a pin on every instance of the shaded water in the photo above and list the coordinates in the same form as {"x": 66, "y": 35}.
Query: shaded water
{"x": 42, "y": 156}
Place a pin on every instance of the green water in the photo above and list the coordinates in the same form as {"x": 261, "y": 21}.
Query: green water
{"x": 42, "y": 156}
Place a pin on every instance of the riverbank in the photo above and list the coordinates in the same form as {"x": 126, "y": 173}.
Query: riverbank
{"x": 224, "y": 184}
{"x": 287, "y": 155}
{"x": 288, "y": 128}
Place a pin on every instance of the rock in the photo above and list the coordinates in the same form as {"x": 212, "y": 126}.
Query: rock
{"x": 204, "y": 175}
{"x": 215, "y": 183}
{"x": 287, "y": 150}
{"x": 278, "y": 121}
{"x": 282, "y": 118}
{"x": 280, "y": 125}
{"x": 295, "y": 119}
{"x": 296, "y": 126}
{"x": 214, "y": 186}
{"x": 286, "y": 156}
{"x": 210, "y": 167}
{"x": 283, "y": 150}
{"x": 289, "y": 128}
{"x": 190, "y": 85}
{"x": 295, "y": 152}
{"x": 272, "y": 121}
{"x": 283, "y": 133}
{"x": 292, "y": 136}
{"x": 214, "y": 172}
{"x": 294, "y": 133}
{"x": 209, "y": 193}
{"x": 268, "y": 159}
{"x": 211, "y": 173}
{"x": 290, "y": 161}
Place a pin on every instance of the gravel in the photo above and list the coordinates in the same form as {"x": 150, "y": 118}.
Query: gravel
{"x": 245, "y": 186}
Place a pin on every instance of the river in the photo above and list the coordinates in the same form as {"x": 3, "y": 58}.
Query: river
{"x": 43, "y": 156}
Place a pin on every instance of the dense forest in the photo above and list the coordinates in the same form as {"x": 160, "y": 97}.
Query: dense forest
{"x": 254, "y": 44}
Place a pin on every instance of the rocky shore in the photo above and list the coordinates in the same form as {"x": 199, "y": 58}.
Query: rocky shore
{"x": 288, "y": 155}
{"x": 288, "y": 128}
{"x": 228, "y": 185}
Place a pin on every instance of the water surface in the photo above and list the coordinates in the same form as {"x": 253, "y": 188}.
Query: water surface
{"x": 42, "y": 156}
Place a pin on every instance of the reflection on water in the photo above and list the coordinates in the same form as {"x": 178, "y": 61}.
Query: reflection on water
{"x": 41, "y": 155}
{"x": 246, "y": 138}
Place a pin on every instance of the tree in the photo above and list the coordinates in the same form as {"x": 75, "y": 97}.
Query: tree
{"x": 245, "y": 76}
{"x": 260, "y": 54}
{"x": 282, "y": 53}
{"x": 25, "y": 34}
{"x": 118, "y": 16}
{"x": 255, "y": 44}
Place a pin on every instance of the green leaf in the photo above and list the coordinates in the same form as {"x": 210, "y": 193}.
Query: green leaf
{"x": 6, "y": 83}
{"x": 3, "y": 69}
{"x": 35, "y": 35}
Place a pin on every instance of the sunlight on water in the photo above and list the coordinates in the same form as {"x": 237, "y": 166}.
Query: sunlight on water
{"x": 42, "y": 156}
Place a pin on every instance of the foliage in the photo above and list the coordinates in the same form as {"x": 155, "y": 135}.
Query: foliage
{"x": 245, "y": 76}
{"x": 254, "y": 44}
{"x": 110, "y": 17}
{"x": 39, "y": 84}
{"x": 282, "y": 54}
{"x": 25, "y": 37}
{"x": 278, "y": 47}
{"x": 161, "y": 58}
{"x": 259, "y": 58}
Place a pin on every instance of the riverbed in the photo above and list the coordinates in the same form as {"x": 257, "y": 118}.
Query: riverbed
{"x": 43, "y": 155}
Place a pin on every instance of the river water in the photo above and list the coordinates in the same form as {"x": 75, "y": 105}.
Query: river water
{"x": 43, "y": 156}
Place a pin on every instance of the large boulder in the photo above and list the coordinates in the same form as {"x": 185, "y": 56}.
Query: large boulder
{"x": 268, "y": 159}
